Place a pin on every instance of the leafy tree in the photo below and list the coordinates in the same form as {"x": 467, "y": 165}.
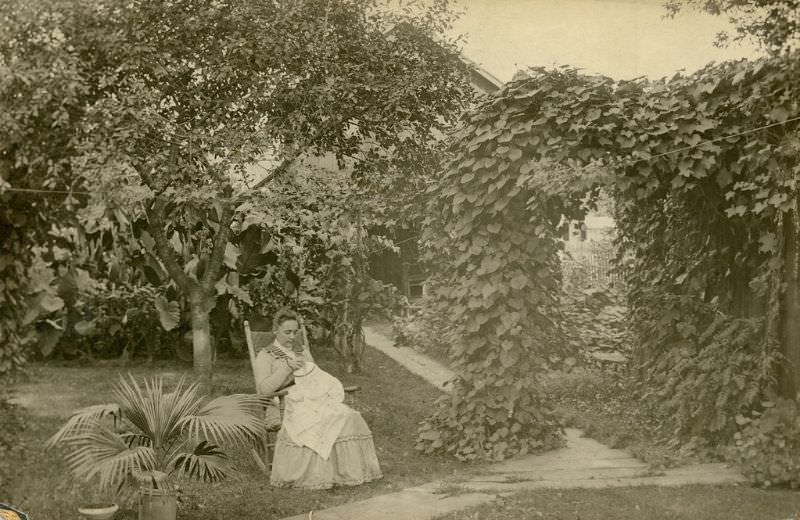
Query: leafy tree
{"x": 774, "y": 24}
{"x": 159, "y": 107}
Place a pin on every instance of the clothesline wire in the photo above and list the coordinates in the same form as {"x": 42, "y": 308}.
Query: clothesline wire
{"x": 710, "y": 141}
{"x": 627, "y": 162}
{"x": 53, "y": 192}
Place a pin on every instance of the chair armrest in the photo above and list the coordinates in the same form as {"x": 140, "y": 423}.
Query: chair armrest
{"x": 279, "y": 393}
{"x": 282, "y": 393}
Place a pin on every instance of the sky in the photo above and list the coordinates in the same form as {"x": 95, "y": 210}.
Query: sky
{"x": 622, "y": 39}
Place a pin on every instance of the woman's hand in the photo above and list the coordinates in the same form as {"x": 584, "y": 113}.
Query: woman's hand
{"x": 295, "y": 363}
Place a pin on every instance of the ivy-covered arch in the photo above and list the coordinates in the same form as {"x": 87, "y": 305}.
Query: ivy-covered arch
{"x": 704, "y": 172}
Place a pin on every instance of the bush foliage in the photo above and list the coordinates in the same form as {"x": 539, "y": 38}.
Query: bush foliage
{"x": 703, "y": 170}
{"x": 595, "y": 310}
{"x": 768, "y": 446}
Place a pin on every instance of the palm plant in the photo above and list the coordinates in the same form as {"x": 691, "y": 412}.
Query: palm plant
{"x": 152, "y": 435}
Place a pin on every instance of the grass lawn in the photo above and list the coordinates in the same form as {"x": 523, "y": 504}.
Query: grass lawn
{"x": 392, "y": 402}
{"x": 642, "y": 503}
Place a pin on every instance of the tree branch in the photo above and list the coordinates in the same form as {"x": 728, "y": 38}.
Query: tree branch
{"x": 279, "y": 170}
{"x": 155, "y": 217}
{"x": 300, "y": 149}
{"x": 220, "y": 242}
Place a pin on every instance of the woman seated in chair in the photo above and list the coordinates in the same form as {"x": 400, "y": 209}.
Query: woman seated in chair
{"x": 322, "y": 442}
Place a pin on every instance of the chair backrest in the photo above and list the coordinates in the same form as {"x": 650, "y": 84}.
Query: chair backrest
{"x": 256, "y": 339}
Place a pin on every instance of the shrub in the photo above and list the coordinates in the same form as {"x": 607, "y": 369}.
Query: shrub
{"x": 594, "y": 320}
{"x": 120, "y": 319}
{"x": 703, "y": 367}
{"x": 422, "y": 328}
{"x": 768, "y": 447}
{"x": 593, "y": 303}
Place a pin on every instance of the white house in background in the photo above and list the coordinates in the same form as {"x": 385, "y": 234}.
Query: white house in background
{"x": 586, "y": 235}
{"x": 403, "y": 269}
{"x": 589, "y": 244}
{"x": 481, "y": 79}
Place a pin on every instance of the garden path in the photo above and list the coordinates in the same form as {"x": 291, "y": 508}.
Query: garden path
{"x": 428, "y": 369}
{"x": 582, "y": 463}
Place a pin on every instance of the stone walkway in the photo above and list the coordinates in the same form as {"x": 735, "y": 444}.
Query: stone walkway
{"x": 428, "y": 369}
{"x": 582, "y": 463}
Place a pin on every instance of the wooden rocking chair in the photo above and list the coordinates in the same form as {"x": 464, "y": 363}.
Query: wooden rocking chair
{"x": 263, "y": 450}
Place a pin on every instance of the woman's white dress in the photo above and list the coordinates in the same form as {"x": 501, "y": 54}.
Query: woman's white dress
{"x": 322, "y": 441}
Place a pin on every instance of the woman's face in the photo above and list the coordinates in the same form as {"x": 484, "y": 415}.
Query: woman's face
{"x": 286, "y": 333}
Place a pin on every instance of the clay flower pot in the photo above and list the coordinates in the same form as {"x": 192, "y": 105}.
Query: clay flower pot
{"x": 158, "y": 504}
{"x": 98, "y": 512}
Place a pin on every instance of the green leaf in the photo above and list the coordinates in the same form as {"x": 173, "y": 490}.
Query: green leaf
{"x": 519, "y": 281}
{"x": 51, "y": 303}
{"x": 231, "y": 286}
{"x": 490, "y": 264}
{"x": 779, "y": 114}
{"x": 430, "y": 435}
{"x": 509, "y": 358}
{"x": 206, "y": 463}
{"x": 768, "y": 243}
{"x": 48, "y": 339}
{"x": 85, "y": 328}
{"x": 231, "y": 256}
{"x": 737, "y": 210}
{"x": 169, "y": 313}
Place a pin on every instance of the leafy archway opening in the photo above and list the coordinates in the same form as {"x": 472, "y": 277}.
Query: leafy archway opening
{"x": 703, "y": 169}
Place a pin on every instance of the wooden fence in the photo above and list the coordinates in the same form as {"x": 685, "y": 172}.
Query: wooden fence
{"x": 591, "y": 261}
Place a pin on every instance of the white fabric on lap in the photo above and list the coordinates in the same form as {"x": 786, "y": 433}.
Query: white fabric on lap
{"x": 315, "y": 412}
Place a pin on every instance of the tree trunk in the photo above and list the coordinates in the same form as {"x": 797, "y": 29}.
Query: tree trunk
{"x": 199, "y": 308}
{"x": 790, "y": 310}
{"x": 201, "y": 293}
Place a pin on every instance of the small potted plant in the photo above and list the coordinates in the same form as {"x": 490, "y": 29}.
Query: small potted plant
{"x": 149, "y": 438}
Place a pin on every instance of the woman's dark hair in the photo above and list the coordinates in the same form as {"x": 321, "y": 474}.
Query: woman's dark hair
{"x": 282, "y": 316}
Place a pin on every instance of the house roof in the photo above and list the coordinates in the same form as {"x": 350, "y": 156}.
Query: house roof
{"x": 481, "y": 78}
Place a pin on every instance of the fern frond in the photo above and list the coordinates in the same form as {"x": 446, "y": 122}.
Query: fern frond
{"x": 81, "y": 420}
{"x": 206, "y": 462}
{"x": 229, "y": 419}
{"x": 103, "y": 453}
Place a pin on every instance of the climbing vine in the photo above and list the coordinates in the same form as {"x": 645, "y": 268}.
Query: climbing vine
{"x": 496, "y": 230}
{"x": 704, "y": 172}
{"x": 704, "y": 226}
